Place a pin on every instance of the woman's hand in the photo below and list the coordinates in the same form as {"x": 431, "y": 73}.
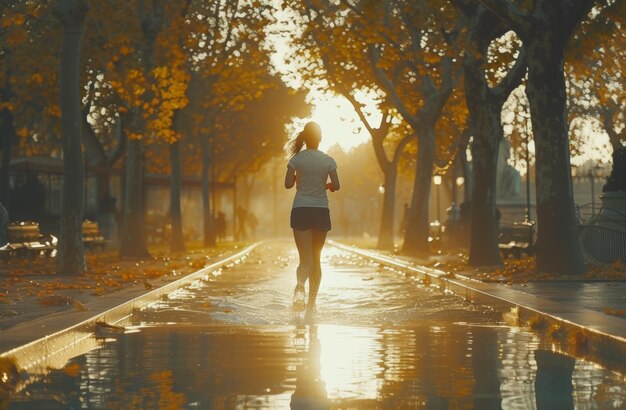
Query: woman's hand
{"x": 329, "y": 186}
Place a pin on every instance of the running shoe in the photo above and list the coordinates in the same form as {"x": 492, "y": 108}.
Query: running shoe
{"x": 298, "y": 298}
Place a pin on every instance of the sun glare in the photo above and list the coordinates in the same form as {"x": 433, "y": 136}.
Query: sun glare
{"x": 340, "y": 124}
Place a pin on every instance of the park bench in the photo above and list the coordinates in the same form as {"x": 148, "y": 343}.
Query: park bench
{"x": 92, "y": 237}
{"x": 24, "y": 238}
{"x": 517, "y": 239}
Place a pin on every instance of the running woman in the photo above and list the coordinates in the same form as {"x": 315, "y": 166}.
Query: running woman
{"x": 309, "y": 170}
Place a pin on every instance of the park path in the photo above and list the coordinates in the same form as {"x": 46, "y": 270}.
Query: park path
{"x": 380, "y": 339}
{"x": 354, "y": 292}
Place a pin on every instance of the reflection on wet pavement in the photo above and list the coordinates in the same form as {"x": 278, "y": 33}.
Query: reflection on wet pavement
{"x": 353, "y": 292}
{"x": 378, "y": 341}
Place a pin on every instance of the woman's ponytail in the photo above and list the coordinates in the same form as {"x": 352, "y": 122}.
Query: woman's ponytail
{"x": 295, "y": 145}
{"x": 311, "y": 135}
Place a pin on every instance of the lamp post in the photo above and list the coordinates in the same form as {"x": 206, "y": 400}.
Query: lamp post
{"x": 456, "y": 185}
{"x": 381, "y": 191}
{"x": 527, "y": 117}
{"x": 595, "y": 172}
{"x": 437, "y": 182}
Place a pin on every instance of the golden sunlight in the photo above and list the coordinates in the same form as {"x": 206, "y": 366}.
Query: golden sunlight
{"x": 350, "y": 361}
{"x": 339, "y": 122}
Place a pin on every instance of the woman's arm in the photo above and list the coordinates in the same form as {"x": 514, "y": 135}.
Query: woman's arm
{"x": 334, "y": 179}
{"x": 290, "y": 177}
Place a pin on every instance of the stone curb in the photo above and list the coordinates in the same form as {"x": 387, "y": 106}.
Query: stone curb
{"x": 55, "y": 349}
{"x": 599, "y": 337}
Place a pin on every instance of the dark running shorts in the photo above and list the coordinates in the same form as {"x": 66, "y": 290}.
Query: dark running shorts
{"x": 305, "y": 218}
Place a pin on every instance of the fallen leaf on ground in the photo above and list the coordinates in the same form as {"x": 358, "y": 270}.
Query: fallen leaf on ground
{"x": 55, "y": 300}
{"x": 72, "y": 369}
{"x": 614, "y": 312}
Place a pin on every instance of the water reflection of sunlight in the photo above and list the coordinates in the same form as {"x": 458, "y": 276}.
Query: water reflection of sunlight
{"x": 350, "y": 361}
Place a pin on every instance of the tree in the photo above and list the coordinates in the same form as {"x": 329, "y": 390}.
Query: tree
{"x": 29, "y": 107}
{"x": 133, "y": 242}
{"x": 228, "y": 71}
{"x": 545, "y": 30}
{"x": 70, "y": 258}
{"x": 105, "y": 143}
{"x": 176, "y": 58}
{"x": 329, "y": 45}
{"x": 485, "y": 102}
{"x": 595, "y": 70}
{"x": 418, "y": 60}
{"x": 389, "y": 167}
{"x": 137, "y": 83}
{"x": 258, "y": 128}
{"x": 403, "y": 48}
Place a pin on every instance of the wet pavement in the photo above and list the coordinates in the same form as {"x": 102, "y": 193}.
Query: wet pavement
{"x": 380, "y": 339}
{"x": 597, "y": 295}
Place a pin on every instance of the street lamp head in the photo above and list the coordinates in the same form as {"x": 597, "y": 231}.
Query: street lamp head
{"x": 381, "y": 189}
{"x": 460, "y": 181}
{"x": 598, "y": 171}
{"x": 437, "y": 179}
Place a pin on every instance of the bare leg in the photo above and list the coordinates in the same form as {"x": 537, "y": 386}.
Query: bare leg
{"x": 304, "y": 240}
{"x": 318, "y": 239}
{"x": 304, "y": 244}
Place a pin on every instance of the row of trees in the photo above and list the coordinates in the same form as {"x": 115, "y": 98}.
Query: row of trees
{"x": 177, "y": 87}
{"x": 442, "y": 71}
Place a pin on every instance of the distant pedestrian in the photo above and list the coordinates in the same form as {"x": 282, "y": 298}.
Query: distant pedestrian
{"x": 220, "y": 226}
{"x": 4, "y": 221}
{"x": 405, "y": 218}
{"x": 309, "y": 170}
{"x": 253, "y": 222}
{"x": 242, "y": 216}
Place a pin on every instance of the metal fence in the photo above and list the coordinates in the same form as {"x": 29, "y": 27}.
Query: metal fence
{"x": 602, "y": 245}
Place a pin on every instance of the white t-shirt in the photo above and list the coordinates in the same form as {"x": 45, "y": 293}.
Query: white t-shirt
{"x": 312, "y": 167}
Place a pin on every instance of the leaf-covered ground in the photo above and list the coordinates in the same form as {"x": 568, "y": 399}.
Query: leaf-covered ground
{"x": 30, "y": 288}
{"x": 522, "y": 270}
{"x": 514, "y": 271}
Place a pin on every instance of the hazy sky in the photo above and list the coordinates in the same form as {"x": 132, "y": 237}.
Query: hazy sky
{"x": 340, "y": 124}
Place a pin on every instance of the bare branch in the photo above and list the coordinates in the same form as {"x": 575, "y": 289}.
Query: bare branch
{"x": 512, "y": 79}
{"x": 120, "y": 142}
{"x": 517, "y": 20}
{"x": 389, "y": 87}
{"x": 400, "y": 147}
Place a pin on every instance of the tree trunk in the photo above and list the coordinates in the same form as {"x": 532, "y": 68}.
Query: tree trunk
{"x": 177, "y": 242}
{"x": 133, "y": 240}
{"x": 4, "y": 221}
{"x": 103, "y": 191}
{"x": 70, "y": 257}
{"x": 485, "y": 107}
{"x": 385, "y": 235}
{"x": 208, "y": 222}
{"x": 558, "y": 246}
{"x": 468, "y": 182}
{"x": 417, "y": 232}
{"x": 485, "y": 111}
{"x": 7, "y": 128}
{"x": 484, "y": 249}
{"x": 103, "y": 161}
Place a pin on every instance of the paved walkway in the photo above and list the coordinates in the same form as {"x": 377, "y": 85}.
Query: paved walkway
{"x": 381, "y": 338}
{"x": 602, "y": 296}
{"x": 579, "y": 303}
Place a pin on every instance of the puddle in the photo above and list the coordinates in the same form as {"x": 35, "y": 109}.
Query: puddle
{"x": 325, "y": 366}
{"x": 379, "y": 340}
